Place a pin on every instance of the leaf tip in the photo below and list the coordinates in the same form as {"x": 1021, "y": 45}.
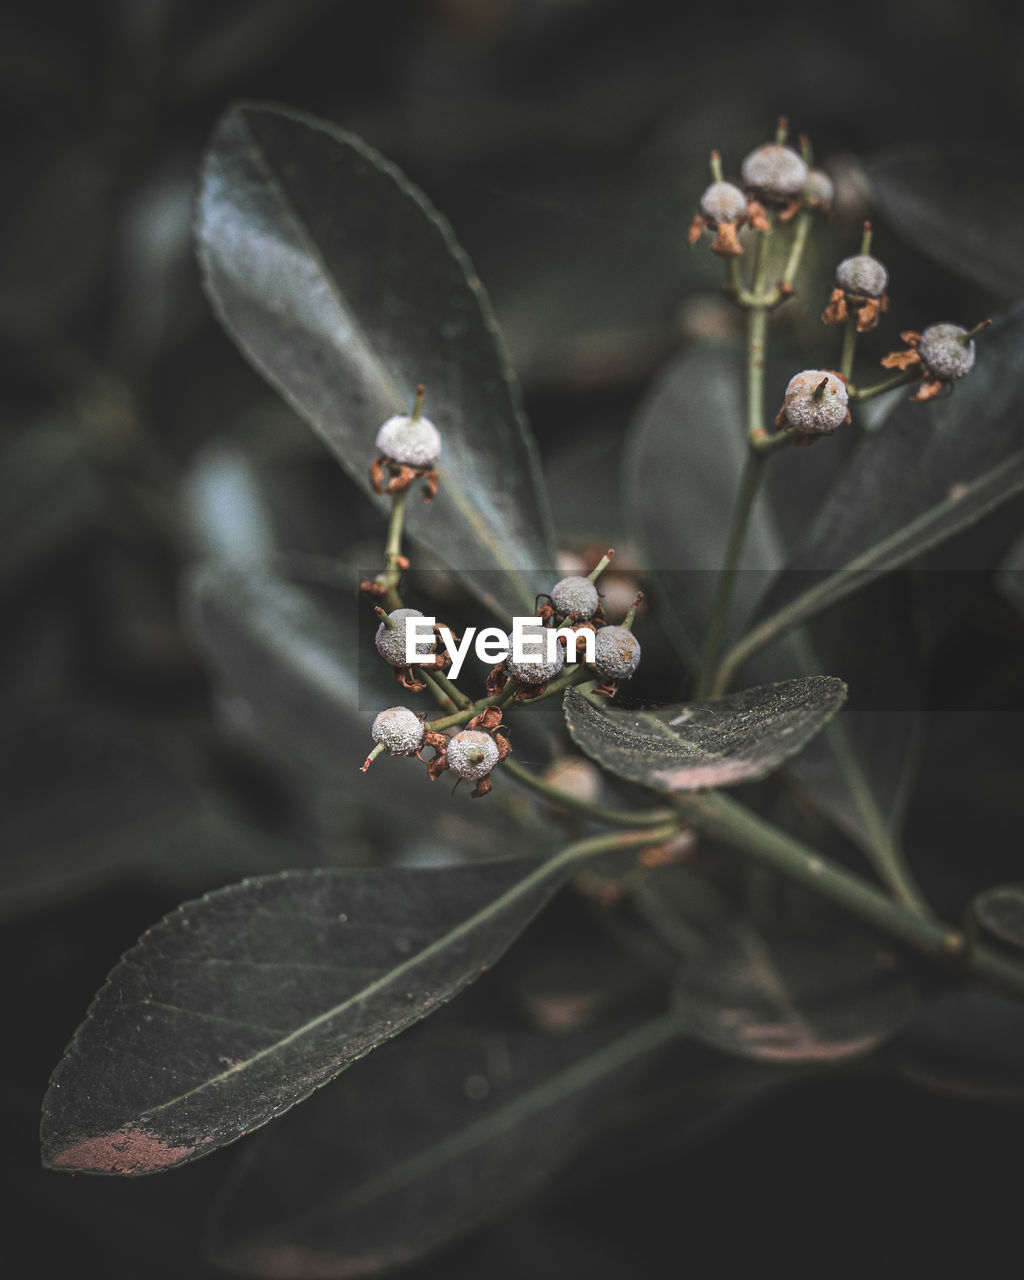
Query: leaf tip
{"x": 127, "y": 1151}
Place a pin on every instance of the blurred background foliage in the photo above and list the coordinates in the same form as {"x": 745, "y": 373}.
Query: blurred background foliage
{"x": 566, "y": 141}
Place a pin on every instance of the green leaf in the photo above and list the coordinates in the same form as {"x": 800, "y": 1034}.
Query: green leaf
{"x": 960, "y": 204}
{"x": 789, "y": 996}
{"x": 700, "y": 745}
{"x": 447, "y": 1128}
{"x": 240, "y": 1004}
{"x": 94, "y": 799}
{"x": 931, "y": 471}
{"x": 684, "y": 456}
{"x": 1001, "y": 912}
{"x": 345, "y": 289}
{"x": 969, "y": 1044}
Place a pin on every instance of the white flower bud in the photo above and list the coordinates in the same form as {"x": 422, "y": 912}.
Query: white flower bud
{"x": 414, "y": 442}
{"x": 722, "y": 202}
{"x": 472, "y": 754}
{"x": 616, "y": 653}
{"x": 534, "y": 670}
{"x": 776, "y": 170}
{"x": 862, "y": 275}
{"x": 400, "y": 730}
{"x": 944, "y": 352}
{"x": 390, "y": 641}
{"x": 819, "y": 187}
{"x": 813, "y": 408}
{"x": 575, "y": 595}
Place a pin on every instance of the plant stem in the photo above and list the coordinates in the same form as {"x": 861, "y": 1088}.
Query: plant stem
{"x": 908, "y": 375}
{"x": 393, "y": 549}
{"x": 796, "y": 251}
{"x": 849, "y": 347}
{"x": 885, "y": 854}
{"x": 729, "y": 821}
{"x": 430, "y": 680}
{"x": 599, "y": 813}
{"x": 749, "y": 483}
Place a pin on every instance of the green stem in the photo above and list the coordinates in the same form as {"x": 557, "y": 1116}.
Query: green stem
{"x": 730, "y": 822}
{"x": 796, "y": 251}
{"x": 749, "y": 483}
{"x": 599, "y": 813}
{"x": 452, "y": 690}
{"x": 430, "y": 680}
{"x": 901, "y": 380}
{"x": 849, "y": 347}
{"x": 885, "y": 854}
{"x": 392, "y": 574}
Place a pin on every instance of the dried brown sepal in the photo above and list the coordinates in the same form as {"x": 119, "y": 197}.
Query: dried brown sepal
{"x": 869, "y": 311}
{"x": 781, "y": 421}
{"x": 900, "y": 360}
{"x": 930, "y": 388}
{"x": 607, "y": 688}
{"x": 835, "y": 312}
{"x": 401, "y": 477}
{"x": 371, "y": 587}
{"x": 527, "y": 692}
{"x": 757, "y": 218}
{"x": 502, "y": 743}
{"x": 439, "y": 763}
{"x": 697, "y": 227}
{"x": 407, "y": 680}
{"x": 497, "y": 679}
{"x": 487, "y": 721}
{"x": 726, "y": 243}
{"x": 791, "y": 208}
{"x": 677, "y": 848}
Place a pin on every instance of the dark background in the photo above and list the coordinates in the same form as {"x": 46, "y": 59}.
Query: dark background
{"x": 566, "y": 141}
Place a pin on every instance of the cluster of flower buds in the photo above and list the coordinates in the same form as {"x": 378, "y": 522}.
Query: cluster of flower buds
{"x": 535, "y": 653}
{"x": 772, "y": 174}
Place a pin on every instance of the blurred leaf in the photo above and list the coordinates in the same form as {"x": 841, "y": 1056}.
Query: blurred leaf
{"x": 699, "y": 745}
{"x": 49, "y": 493}
{"x": 1001, "y": 912}
{"x": 346, "y": 289}
{"x": 1010, "y": 578}
{"x": 448, "y": 1128}
{"x": 960, "y": 204}
{"x": 966, "y": 1043}
{"x": 94, "y": 798}
{"x": 792, "y": 997}
{"x": 240, "y": 1004}
{"x": 931, "y": 471}
{"x": 683, "y": 461}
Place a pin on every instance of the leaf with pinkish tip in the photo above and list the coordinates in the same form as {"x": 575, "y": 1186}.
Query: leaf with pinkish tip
{"x": 793, "y": 997}
{"x": 240, "y": 1004}
{"x": 701, "y": 745}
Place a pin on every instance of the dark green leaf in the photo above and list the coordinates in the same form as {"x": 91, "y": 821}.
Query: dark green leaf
{"x": 684, "y": 456}
{"x": 240, "y": 1004}
{"x": 1001, "y": 912}
{"x": 346, "y": 289}
{"x": 699, "y": 745}
{"x": 960, "y": 203}
{"x": 790, "y": 997}
{"x": 94, "y": 799}
{"x": 966, "y": 1043}
{"x": 931, "y": 471}
{"x": 445, "y": 1129}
